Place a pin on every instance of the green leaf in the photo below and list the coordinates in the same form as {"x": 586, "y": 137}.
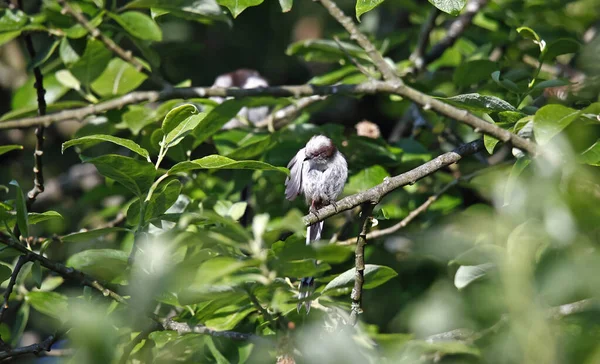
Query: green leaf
{"x": 321, "y": 50}
{"x": 506, "y": 83}
{"x": 364, "y": 6}
{"x": 452, "y": 7}
{"x": 220, "y": 162}
{"x": 21, "y": 208}
{"x": 251, "y": 150}
{"x": 477, "y": 102}
{"x": 5, "y": 272}
{"x": 286, "y": 5}
{"x": 186, "y": 8}
{"x": 365, "y": 179}
{"x": 67, "y": 79}
{"x": 137, "y": 117}
{"x": 550, "y": 83}
{"x": 44, "y": 55}
{"x": 591, "y": 155}
{"x": 139, "y": 25}
{"x": 8, "y": 36}
{"x": 473, "y": 72}
{"x": 162, "y": 199}
{"x": 78, "y": 31}
{"x": 515, "y": 172}
{"x": 26, "y": 95}
{"x": 20, "y": 323}
{"x": 8, "y": 148}
{"x": 36, "y": 218}
{"x": 237, "y": 6}
{"x": 92, "y": 63}
{"x": 561, "y": 46}
{"x": 104, "y": 264}
{"x": 480, "y": 254}
{"x": 179, "y": 122}
{"x": 467, "y": 274}
{"x": 135, "y": 175}
{"x": 12, "y": 20}
{"x": 529, "y": 33}
{"x": 88, "y": 141}
{"x": 550, "y": 120}
{"x": 216, "y": 118}
{"x": 490, "y": 143}
{"x": 85, "y": 236}
{"x": 49, "y": 303}
{"x": 71, "y": 50}
{"x": 375, "y": 275}
{"x": 36, "y": 274}
{"x": 118, "y": 78}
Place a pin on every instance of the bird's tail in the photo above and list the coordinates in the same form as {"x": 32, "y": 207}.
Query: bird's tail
{"x": 307, "y": 284}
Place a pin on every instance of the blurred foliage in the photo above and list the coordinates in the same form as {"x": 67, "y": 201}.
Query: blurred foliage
{"x": 472, "y": 279}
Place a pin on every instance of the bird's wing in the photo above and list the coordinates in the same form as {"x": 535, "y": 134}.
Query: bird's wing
{"x": 293, "y": 184}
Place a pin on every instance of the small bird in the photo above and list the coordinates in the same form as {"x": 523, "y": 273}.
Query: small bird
{"x": 319, "y": 171}
{"x": 242, "y": 78}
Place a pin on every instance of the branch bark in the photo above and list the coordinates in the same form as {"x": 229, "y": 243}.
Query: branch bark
{"x": 184, "y": 328}
{"x": 359, "y": 263}
{"x": 367, "y": 88}
{"x": 375, "y": 194}
{"x": 35, "y": 349}
{"x": 11, "y": 284}
{"x": 66, "y": 272}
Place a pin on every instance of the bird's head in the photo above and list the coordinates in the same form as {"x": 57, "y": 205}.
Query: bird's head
{"x": 320, "y": 149}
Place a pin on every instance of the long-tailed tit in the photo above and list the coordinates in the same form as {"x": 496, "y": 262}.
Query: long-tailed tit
{"x": 318, "y": 171}
{"x": 242, "y": 78}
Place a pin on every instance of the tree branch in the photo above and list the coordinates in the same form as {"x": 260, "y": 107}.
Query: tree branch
{"x": 456, "y": 29}
{"x": 109, "y": 43}
{"x": 375, "y": 194}
{"x": 417, "y": 55}
{"x": 359, "y": 263}
{"x": 367, "y": 88}
{"x": 416, "y": 212}
{"x": 38, "y": 181}
{"x": 35, "y": 349}
{"x": 184, "y": 328}
{"x": 11, "y": 284}
{"x": 66, "y": 272}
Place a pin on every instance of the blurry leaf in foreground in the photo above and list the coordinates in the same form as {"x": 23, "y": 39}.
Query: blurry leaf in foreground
{"x": 467, "y": 274}
{"x": 375, "y": 275}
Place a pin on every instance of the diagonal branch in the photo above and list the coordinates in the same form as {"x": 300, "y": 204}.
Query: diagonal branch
{"x": 388, "y": 71}
{"x": 366, "y": 88}
{"x": 375, "y": 194}
{"x": 456, "y": 29}
{"x": 35, "y": 349}
{"x": 66, "y": 272}
{"x": 11, "y": 284}
{"x": 417, "y": 55}
{"x": 127, "y": 56}
{"x": 359, "y": 263}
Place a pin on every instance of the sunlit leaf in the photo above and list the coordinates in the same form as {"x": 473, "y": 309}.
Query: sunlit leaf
{"x": 135, "y": 175}
{"x": 86, "y": 236}
{"x": 364, "y": 6}
{"x": 89, "y": 140}
{"x": 118, "y": 78}
{"x": 452, "y": 7}
{"x": 220, "y": 162}
{"x": 139, "y": 25}
{"x": 104, "y": 264}
{"x": 49, "y": 303}
{"x": 551, "y": 120}
{"x": 8, "y": 148}
{"x": 467, "y": 274}
{"x": 375, "y": 275}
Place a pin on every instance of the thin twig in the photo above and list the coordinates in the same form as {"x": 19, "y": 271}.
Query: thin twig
{"x": 417, "y": 55}
{"x": 11, "y": 284}
{"x": 359, "y": 263}
{"x": 66, "y": 272}
{"x": 35, "y": 349}
{"x": 184, "y": 328}
{"x": 388, "y": 72}
{"x": 127, "y": 56}
{"x": 456, "y": 29}
{"x": 375, "y": 194}
{"x": 367, "y": 88}
{"x": 352, "y": 59}
{"x": 285, "y": 115}
{"x": 416, "y": 212}
{"x": 38, "y": 181}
